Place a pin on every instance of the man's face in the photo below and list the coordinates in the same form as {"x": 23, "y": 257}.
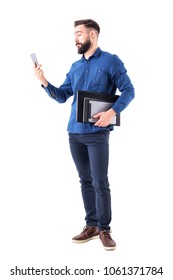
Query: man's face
{"x": 82, "y": 39}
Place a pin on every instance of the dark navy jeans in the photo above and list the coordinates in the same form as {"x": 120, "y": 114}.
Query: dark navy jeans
{"x": 90, "y": 153}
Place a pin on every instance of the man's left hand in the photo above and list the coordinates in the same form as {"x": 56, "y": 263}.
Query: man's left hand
{"x": 104, "y": 118}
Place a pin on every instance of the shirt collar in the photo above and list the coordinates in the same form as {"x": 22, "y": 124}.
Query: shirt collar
{"x": 95, "y": 54}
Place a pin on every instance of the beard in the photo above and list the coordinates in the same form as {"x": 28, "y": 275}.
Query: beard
{"x": 84, "y": 47}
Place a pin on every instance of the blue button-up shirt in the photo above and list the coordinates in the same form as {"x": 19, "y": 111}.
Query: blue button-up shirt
{"x": 102, "y": 72}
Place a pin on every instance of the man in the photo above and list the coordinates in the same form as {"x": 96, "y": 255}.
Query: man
{"x": 96, "y": 71}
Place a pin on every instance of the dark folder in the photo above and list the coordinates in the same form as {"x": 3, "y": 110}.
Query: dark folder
{"x": 90, "y": 103}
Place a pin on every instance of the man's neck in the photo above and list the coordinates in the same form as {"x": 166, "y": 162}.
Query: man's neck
{"x": 90, "y": 52}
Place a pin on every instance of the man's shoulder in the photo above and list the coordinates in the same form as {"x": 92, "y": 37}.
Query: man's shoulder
{"x": 109, "y": 57}
{"x": 108, "y": 54}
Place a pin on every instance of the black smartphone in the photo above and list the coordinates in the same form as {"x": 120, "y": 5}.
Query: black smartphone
{"x": 34, "y": 59}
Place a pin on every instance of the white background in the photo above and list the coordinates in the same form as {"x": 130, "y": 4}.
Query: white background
{"x": 40, "y": 200}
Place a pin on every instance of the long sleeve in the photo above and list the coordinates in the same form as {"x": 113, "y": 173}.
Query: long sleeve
{"x": 62, "y": 93}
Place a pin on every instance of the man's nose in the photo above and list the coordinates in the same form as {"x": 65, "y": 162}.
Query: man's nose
{"x": 75, "y": 38}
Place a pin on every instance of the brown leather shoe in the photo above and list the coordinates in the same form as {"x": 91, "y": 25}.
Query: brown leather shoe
{"x": 88, "y": 233}
{"x": 107, "y": 241}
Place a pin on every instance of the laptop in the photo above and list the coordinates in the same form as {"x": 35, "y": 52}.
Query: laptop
{"x": 90, "y": 103}
{"x": 95, "y": 106}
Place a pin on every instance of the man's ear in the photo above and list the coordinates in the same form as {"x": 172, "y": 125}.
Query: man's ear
{"x": 92, "y": 34}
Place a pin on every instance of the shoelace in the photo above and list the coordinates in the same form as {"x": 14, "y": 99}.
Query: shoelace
{"x": 85, "y": 228}
{"x": 106, "y": 234}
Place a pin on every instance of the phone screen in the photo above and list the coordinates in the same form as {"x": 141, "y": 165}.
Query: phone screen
{"x": 34, "y": 59}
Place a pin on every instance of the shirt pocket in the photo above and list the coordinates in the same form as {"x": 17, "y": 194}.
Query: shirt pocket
{"x": 98, "y": 77}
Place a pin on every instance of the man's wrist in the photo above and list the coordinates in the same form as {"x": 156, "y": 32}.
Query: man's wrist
{"x": 44, "y": 83}
{"x": 111, "y": 112}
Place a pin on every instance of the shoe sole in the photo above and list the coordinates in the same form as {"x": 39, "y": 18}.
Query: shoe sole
{"x": 85, "y": 240}
{"x": 109, "y": 248}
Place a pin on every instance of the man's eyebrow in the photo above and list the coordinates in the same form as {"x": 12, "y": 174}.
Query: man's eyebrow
{"x": 78, "y": 32}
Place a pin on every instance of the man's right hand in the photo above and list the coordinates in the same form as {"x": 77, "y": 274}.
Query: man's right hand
{"x": 40, "y": 75}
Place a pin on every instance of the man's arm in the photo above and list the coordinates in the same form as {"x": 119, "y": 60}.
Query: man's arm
{"x": 60, "y": 94}
{"x": 121, "y": 80}
{"x": 40, "y": 75}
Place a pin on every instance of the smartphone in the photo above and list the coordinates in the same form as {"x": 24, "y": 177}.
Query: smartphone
{"x": 34, "y": 59}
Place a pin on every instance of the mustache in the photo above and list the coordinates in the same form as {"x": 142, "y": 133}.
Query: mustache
{"x": 78, "y": 44}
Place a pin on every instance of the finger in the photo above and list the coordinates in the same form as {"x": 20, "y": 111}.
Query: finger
{"x": 101, "y": 123}
{"x": 98, "y": 123}
{"x": 38, "y": 67}
{"x": 97, "y": 115}
{"x": 38, "y": 73}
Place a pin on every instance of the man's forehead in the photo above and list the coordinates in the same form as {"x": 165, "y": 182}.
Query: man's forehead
{"x": 80, "y": 28}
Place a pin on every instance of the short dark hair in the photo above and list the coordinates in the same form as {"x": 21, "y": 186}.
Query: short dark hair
{"x": 89, "y": 23}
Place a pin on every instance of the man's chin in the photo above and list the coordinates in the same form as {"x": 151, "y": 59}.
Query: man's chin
{"x": 79, "y": 51}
